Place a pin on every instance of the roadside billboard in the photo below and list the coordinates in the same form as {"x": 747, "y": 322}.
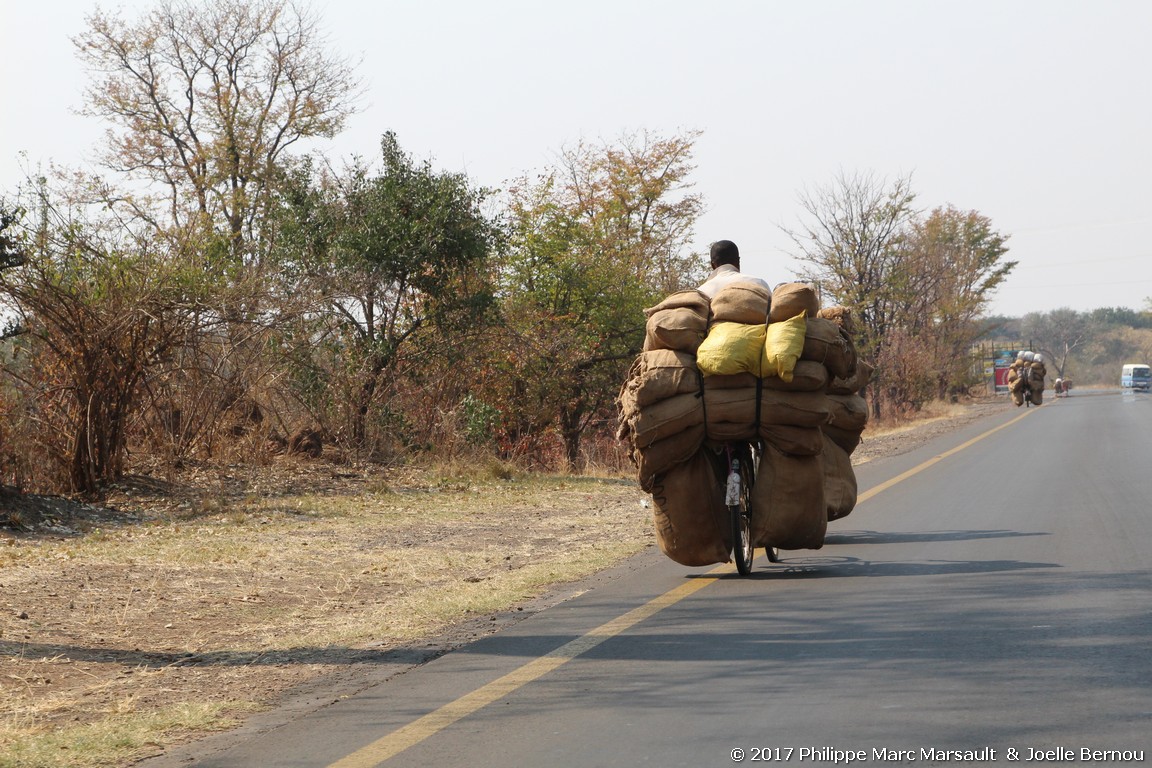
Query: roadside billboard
{"x": 1001, "y": 361}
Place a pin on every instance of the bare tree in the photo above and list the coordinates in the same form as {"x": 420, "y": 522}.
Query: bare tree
{"x": 1057, "y": 334}
{"x": 99, "y": 307}
{"x": 917, "y": 283}
{"x": 853, "y": 244}
{"x": 205, "y": 100}
{"x": 208, "y": 106}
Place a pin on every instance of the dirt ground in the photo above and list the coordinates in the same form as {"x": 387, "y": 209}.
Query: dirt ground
{"x": 109, "y": 616}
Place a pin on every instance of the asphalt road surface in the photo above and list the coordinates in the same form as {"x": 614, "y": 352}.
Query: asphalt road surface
{"x": 990, "y": 597}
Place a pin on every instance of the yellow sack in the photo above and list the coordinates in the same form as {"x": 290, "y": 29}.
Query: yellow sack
{"x": 783, "y": 344}
{"x": 731, "y": 348}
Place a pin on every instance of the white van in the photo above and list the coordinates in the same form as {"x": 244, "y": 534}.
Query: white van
{"x": 1136, "y": 376}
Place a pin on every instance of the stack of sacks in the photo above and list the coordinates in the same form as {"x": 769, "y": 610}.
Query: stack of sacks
{"x": 748, "y": 365}
{"x": 1029, "y": 367}
{"x": 751, "y": 393}
{"x": 781, "y": 397}
{"x": 659, "y": 403}
{"x": 843, "y": 432}
{"x": 790, "y": 498}
{"x": 785, "y": 405}
{"x": 1036, "y": 374}
{"x": 662, "y": 419}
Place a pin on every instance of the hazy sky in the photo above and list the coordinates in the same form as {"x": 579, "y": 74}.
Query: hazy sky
{"x": 1036, "y": 113}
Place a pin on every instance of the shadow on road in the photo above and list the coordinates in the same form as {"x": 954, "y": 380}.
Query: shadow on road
{"x": 906, "y": 537}
{"x": 833, "y": 567}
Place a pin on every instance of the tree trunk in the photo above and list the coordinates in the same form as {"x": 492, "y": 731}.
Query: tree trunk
{"x": 571, "y": 429}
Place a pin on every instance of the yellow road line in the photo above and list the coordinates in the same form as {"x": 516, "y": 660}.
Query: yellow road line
{"x": 934, "y": 460}
{"x": 422, "y": 728}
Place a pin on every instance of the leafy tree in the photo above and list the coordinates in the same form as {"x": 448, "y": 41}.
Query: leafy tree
{"x": 12, "y": 254}
{"x": 955, "y": 263}
{"x": 1121, "y": 316}
{"x": 11, "y": 251}
{"x": 206, "y": 99}
{"x": 592, "y": 242}
{"x": 633, "y": 199}
{"x": 390, "y": 256}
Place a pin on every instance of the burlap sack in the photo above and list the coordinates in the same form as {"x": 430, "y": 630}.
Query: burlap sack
{"x": 849, "y": 412}
{"x": 665, "y": 454}
{"x": 733, "y": 381}
{"x": 839, "y": 480}
{"x": 842, "y": 316}
{"x": 854, "y": 383}
{"x": 1019, "y": 372}
{"x": 628, "y": 412}
{"x": 791, "y": 299}
{"x": 797, "y": 409}
{"x": 1036, "y": 374}
{"x": 783, "y": 344}
{"x": 847, "y": 439}
{"x": 666, "y": 418}
{"x": 795, "y": 441}
{"x": 679, "y": 328}
{"x": 626, "y": 408}
{"x": 741, "y": 302}
{"x": 788, "y": 509}
{"x": 1038, "y": 396}
{"x": 664, "y": 373}
{"x": 738, "y": 406}
{"x": 690, "y": 299}
{"x": 807, "y": 376}
{"x": 825, "y": 343}
{"x": 722, "y": 431}
{"x": 691, "y": 520}
{"x": 729, "y": 407}
{"x": 732, "y": 348}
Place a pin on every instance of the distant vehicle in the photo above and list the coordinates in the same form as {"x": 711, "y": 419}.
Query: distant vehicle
{"x": 1136, "y": 376}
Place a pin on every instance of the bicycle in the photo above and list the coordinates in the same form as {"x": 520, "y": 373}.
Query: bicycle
{"x": 743, "y": 465}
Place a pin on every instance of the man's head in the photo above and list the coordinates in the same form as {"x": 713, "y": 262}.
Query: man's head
{"x": 725, "y": 252}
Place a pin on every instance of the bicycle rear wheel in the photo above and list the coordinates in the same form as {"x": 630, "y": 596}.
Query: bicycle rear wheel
{"x": 738, "y": 496}
{"x": 742, "y": 550}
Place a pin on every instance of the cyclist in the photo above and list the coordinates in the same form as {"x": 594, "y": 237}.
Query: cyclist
{"x": 740, "y": 459}
{"x": 724, "y": 257}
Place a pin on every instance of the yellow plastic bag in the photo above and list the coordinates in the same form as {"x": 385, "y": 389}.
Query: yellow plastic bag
{"x": 783, "y": 344}
{"x": 732, "y": 348}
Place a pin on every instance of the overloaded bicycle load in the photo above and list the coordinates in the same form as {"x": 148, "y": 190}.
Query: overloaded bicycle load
{"x": 1027, "y": 367}
{"x": 749, "y": 364}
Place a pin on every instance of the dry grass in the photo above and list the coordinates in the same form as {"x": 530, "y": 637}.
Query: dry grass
{"x": 120, "y": 639}
{"x": 936, "y": 411}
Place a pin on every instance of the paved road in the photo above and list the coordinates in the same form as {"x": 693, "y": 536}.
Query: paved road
{"x": 996, "y": 597}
